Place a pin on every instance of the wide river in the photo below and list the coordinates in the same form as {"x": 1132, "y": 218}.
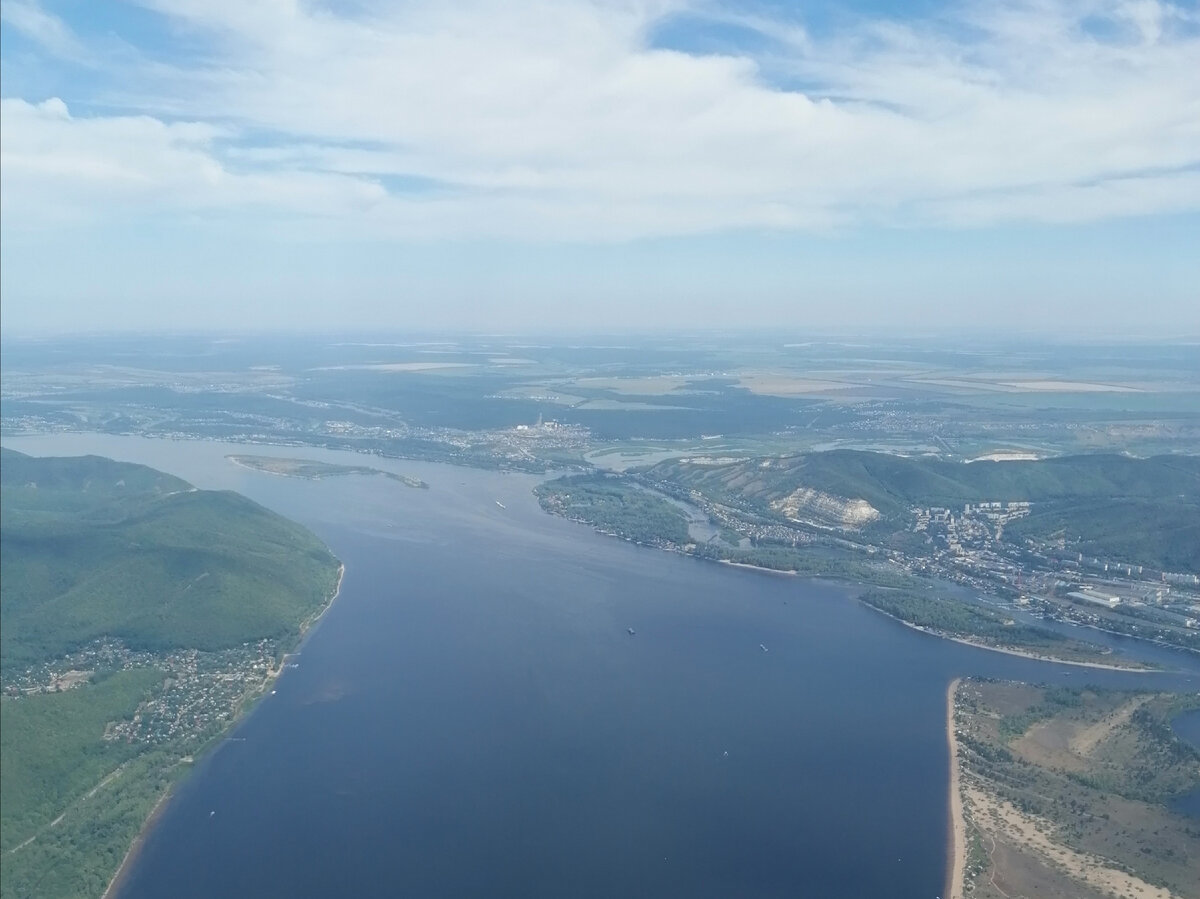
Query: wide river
{"x": 473, "y": 718}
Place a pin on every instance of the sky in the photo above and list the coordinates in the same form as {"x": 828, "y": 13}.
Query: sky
{"x": 859, "y": 166}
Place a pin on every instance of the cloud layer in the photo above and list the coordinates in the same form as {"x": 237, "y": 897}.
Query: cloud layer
{"x": 573, "y": 120}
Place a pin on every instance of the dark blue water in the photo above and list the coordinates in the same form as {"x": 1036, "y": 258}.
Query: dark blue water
{"x": 473, "y": 718}
{"x": 1187, "y": 727}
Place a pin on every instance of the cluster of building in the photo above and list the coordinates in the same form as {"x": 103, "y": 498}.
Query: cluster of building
{"x": 976, "y": 523}
{"x": 200, "y": 694}
{"x": 965, "y": 545}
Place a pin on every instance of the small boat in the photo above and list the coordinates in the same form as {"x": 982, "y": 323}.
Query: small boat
{"x": 631, "y": 631}
{"x": 763, "y": 648}
{"x": 501, "y": 505}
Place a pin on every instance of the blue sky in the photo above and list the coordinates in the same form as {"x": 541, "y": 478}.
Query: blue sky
{"x": 855, "y": 166}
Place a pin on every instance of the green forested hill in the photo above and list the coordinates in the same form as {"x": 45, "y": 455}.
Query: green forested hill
{"x": 90, "y": 547}
{"x": 893, "y": 484}
{"x": 84, "y": 480}
{"x": 137, "y": 614}
{"x": 1143, "y": 511}
{"x": 1164, "y": 534}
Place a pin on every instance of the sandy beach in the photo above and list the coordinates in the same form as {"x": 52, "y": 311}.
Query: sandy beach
{"x": 957, "y": 848}
{"x": 1024, "y": 654}
{"x": 779, "y": 572}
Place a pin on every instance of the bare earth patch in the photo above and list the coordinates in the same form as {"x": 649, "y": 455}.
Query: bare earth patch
{"x": 1068, "y": 793}
{"x": 1001, "y": 820}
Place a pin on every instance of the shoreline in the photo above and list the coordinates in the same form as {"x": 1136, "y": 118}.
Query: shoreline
{"x": 245, "y": 707}
{"x": 135, "y": 847}
{"x": 778, "y": 572}
{"x": 956, "y": 836}
{"x": 1025, "y": 654}
{"x": 847, "y": 582}
{"x": 365, "y": 471}
{"x": 1020, "y": 653}
{"x": 311, "y": 621}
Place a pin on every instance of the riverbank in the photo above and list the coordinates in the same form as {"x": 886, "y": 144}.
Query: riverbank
{"x": 244, "y": 708}
{"x": 1068, "y": 792}
{"x": 1081, "y": 648}
{"x": 308, "y": 623}
{"x": 778, "y": 572}
{"x": 956, "y": 836}
{"x": 1020, "y": 653}
{"x": 135, "y": 847}
{"x": 1025, "y": 654}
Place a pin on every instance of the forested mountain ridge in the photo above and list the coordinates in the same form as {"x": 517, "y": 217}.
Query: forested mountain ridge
{"x": 92, "y": 548}
{"x": 893, "y": 484}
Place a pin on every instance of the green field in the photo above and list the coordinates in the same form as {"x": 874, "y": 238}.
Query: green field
{"x": 149, "y": 585}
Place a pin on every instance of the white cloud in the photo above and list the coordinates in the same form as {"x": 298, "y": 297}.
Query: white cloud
{"x": 41, "y": 27}
{"x": 57, "y": 167}
{"x": 558, "y": 120}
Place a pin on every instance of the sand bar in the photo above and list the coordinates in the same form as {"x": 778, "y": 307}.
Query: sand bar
{"x": 957, "y": 849}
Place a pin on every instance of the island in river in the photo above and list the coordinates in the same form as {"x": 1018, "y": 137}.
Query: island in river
{"x": 312, "y": 470}
{"x": 139, "y": 617}
{"x": 1060, "y": 791}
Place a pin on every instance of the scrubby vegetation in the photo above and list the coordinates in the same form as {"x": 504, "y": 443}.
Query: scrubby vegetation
{"x": 313, "y": 470}
{"x": 1096, "y": 769}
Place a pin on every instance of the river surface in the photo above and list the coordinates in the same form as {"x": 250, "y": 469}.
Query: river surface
{"x": 1187, "y": 727}
{"x": 472, "y": 717}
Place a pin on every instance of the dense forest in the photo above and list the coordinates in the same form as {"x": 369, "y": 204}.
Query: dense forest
{"x": 101, "y": 553}
{"x": 616, "y": 507}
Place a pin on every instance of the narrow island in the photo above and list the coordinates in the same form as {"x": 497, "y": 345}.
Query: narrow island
{"x": 139, "y": 619}
{"x": 987, "y": 628}
{"x": 1069, "y": 792}
{"x": 312, "y": 470}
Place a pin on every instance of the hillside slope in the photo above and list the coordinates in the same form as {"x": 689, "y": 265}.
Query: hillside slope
{"x": 892, "y": 484}
{"x": 90, "y": 547}
{"x": 1144, "y": 511}
{"x": 137, "y": 617}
